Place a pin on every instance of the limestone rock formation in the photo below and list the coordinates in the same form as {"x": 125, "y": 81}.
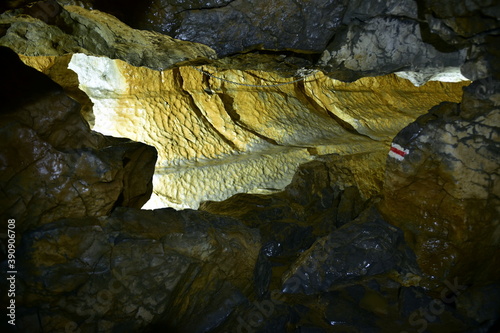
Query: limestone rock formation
{"x": 133, "y": 270}
{"x": 251, "y": 137}
{"x": 204, "y": 121}
{"x": 442, "y": 186}
{"x": 326, "y": 253}
{"x": 72, "y": 29}
{"x": 361, "y": 248}
{"x": 389, "y": 42}
{"x": 53, "y": 166}
{"x": 274, "y": 25}
{"x": 56, "y": 67}
{"x": 230, "y": 26}
{"x": 325, "y": 266}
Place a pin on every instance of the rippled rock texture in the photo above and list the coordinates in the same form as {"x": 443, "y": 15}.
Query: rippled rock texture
{"x": 347, "y": 39}
{"x": 82, "y": 246}
{"x": 330, "y": 262}
{"x": 253, "y": 138}
{"x": 196, "y": 121}
{"x": 368, "y": 236}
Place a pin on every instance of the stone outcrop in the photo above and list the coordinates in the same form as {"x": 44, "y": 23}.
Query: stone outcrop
{"x": 331, "y": 35}
{"x": 133, "y": 270}
{"x": 53, "y": 166}
{"x": 442, "y": 186}
{"x": 360, "y": 249}
{"x": 82, "y": 245}
{"x": 378, "y": 231}
{"x": 391, "y": 41}
{"x": 329, "y": 261}
{"x": 253, "y": 138}
{"x": 72, "y": 29}
{"x": 470, "y": 25}
{"x": 262, "y": 134}
{"x": 283, "y": 24}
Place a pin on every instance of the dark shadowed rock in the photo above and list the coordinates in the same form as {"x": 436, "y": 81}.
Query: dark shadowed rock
{"x": 185, "y": 270}
{"x": 365, "y": 247}
{"x": 53, "y": 166}
{"x": 233, "y": 26}
{"x": 442, "y": 186}
{"x": 466, "y": 24}
{"x": 311, "y": 258}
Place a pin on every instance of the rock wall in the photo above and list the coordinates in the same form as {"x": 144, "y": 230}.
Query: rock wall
{"x": 52, "y": 30}
{"x": 451, "y": 190}
{"x": 53, "y": 165}
{"x": 206, "y": 129}
{"x": 378, "y": 231}
{"x": 444, "y": 191}
{"x": 74, "y": 195}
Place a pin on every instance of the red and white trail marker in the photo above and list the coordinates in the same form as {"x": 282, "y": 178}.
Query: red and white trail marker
{"x": 398, "y": 152}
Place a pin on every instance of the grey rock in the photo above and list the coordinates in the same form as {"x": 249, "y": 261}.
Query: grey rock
{"x": 360, "y": 10}
{"x": 365, "y": 247}
{"x": 469, "y": 24}
{"x": 185, "y": 270}
{"x": 383, "y": 45}
{"x": 234, "y": 26}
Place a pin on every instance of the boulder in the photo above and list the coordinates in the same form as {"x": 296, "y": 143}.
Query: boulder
{"x": 134, "y": 270}
{"x": 442, "y": 187}
{"x": 365, "y": 247}
{"x": 51, "y": 30}
{"x": 53, "y": 165}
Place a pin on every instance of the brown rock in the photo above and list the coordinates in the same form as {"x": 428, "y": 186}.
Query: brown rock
{"x": 53, "y": 166}
{"x": 444, "y": 193}
{"x": 134, "y": 269}
{"x": 78, "y": 30}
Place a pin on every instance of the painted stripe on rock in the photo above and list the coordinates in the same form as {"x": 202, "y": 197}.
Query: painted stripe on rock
{"x": 398, "y": 152}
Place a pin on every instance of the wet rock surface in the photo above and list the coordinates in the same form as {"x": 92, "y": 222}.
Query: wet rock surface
{"x": 347, "y": 40}
{"x": 284, "y": 24}
{"x": 351, "y": 273}
{"x": 359, "y": 278}
{"x": 365, "y": 247}
{"x": 473, "y": 25}
{"x": 230, "y": 26}
{"x": 53, "y": 165}
{"x": 51, "y": 30}
{"x": 447, "y": 162}
{"x": 257, "y": 263}
{"x": 133, "y": 269}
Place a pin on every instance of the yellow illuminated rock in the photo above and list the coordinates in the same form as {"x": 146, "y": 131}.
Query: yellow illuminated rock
{"x": 216, "y": 138}
{"x": 56, "y": 67}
